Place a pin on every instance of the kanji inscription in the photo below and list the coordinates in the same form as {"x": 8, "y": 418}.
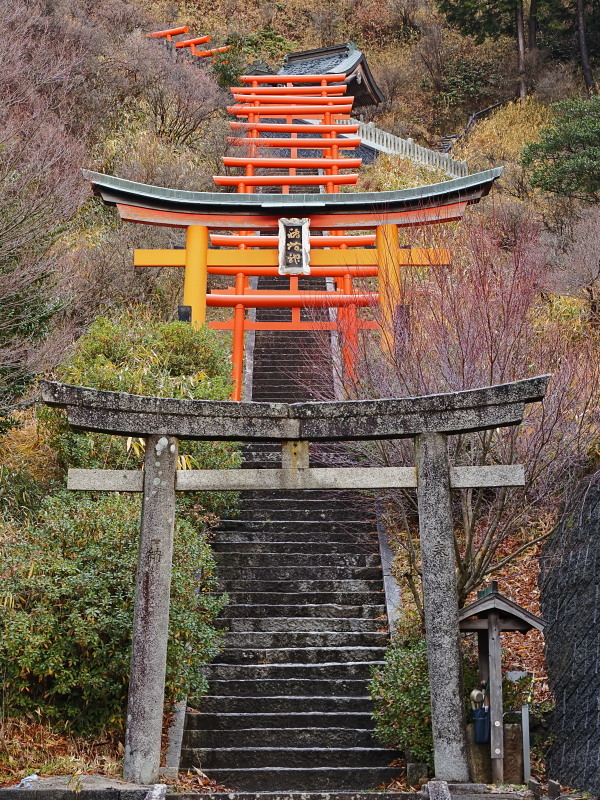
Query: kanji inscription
{"x": 294, "y": 247}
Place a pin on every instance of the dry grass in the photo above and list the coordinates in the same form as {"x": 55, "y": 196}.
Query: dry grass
{"x": 28, "y": 746}
{"x": 500, "y": 138}
{"x": 390, "y": 173}
{"x": 23, "y": 449}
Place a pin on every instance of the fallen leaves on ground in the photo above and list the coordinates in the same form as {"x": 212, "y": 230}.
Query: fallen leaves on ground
{"x": 194, "y": 781}
{"x": 28, "y": 745}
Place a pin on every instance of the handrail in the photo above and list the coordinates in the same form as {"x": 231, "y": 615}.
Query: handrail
{"x": 389, "y": 143}
{"x": 450, "y": 141}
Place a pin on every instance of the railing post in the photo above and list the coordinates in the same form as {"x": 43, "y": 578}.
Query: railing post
{"x": 196, "y": 272}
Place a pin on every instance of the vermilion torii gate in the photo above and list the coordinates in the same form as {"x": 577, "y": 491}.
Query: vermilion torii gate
{"x": 162, "y": 422}
{"x": 281, "y": 121}
{"x": 254, "y": 218}
{"x": 188, "y": 43}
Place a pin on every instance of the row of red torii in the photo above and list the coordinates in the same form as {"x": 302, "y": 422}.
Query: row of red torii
{"x": 335, "y": 235}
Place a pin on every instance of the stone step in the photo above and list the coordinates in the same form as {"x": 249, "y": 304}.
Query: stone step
{"x": 302, "y": 495}
{"x": 301, "y": 361}
{"x": 300, "y": 655}
{"x": 273, "y": 536}
{"x": 303, "y": 639}
{"x": 302, "y": 779}
{"x": 309, "y": 598}
{"x": 301, "y": 586}
{"x": 268, "y": 375}
{"x": 311, "y": 514}
{"x": 295, "y": 526}
{"x": 316, "y": 721}
{"x": 235, "y": 558}
{"x": 322, "y": 610}
{"x": 345, "y": 671}
{"x": 295, "y": 572}
{"x": 309, "y": 624}
{"x": 251, "y": 545}
{"x": 280, "y": 737}
{"x": 261, "y": 757}
{"x": 311, "y": 795}
{"x": 294, "y": 687}
{"x": 283, "y": 704}
{"x": 299, "y": 503}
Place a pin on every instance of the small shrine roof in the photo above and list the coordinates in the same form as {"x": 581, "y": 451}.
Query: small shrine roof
{"x": 512, "y": 616}
{"x": 340, "y": 58}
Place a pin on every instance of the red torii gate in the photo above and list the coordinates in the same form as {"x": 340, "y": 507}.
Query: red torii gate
{"x": 299, "y": 113}
{"x": 191, "y": 43}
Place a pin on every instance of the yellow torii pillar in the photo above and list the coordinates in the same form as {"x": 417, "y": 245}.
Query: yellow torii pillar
{"x": 388, "y": 261}
{"x": 196, "y": 273}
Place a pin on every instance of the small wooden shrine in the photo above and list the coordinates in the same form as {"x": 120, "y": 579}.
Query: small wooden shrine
{"x": 488, "y": 616}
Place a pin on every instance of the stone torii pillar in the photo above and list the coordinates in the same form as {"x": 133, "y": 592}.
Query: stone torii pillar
{"x": 162, "y": 422}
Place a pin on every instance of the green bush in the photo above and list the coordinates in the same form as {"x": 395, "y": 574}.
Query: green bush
{"x": 20, "y": 493}
{"x": 68, "y": 564}
{"x": 132, "y": 354}
{"x": 566, "y": 159}
{"x": 400, "y": 691}
{"x": 67, "y": 607}
{"x": 228, "y": 66}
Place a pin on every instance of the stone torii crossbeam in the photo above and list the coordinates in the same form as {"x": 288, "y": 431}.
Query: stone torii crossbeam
{"x": 161, "y": 422}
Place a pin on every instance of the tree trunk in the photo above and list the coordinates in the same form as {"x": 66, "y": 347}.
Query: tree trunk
{"x": 593, "y": 307}
{"x": 532, "y": 27}
{"x": 520, "y": 25}
{"x": 583, "y": 48}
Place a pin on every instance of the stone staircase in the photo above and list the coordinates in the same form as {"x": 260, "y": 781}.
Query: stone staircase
{"x": 288, "y": 707}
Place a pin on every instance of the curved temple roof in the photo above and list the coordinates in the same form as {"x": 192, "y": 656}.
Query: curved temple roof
{"x": 342, "y": 58}
{"x": 469, "y": 189}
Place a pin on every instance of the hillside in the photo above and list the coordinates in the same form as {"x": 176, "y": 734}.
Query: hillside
{"x": 83, "y": 87}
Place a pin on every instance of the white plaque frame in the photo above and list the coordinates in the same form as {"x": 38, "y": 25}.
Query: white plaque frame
{"x": 304, "y": 267}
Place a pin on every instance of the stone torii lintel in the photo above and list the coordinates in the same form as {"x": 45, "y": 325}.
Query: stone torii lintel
{"x": 456, "y": 412}
{"x": 162, "y": 422}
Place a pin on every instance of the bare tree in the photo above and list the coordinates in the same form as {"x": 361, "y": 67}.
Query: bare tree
{"x": 483, "y": 322}
{"x": 39, "y": 186}
{"x": 574, "y": 262}
{"x": 586, "y": 68}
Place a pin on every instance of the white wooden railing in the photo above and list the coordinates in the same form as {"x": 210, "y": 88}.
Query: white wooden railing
{"x": 388, "y": 143}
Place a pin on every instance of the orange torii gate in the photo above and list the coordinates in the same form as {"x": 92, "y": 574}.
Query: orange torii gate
{"x": 305, "y": 97}
{"x": 251, "y": 234}
{"x": 191, "y": 43}
{"x": 282, "y": 105}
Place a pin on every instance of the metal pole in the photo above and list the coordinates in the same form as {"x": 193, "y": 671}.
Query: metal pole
{"x": 496, "y": 710}
{"x": 440, "y": 598}
{"x": 151, "y": 613}
{"x": 526, "y": 745}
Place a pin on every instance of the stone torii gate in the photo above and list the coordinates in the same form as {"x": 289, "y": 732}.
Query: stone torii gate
{"x": 161, "y": 422}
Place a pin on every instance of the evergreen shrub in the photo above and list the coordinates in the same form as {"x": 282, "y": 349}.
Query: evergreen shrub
{"x": 67, "y": 609}
{"x": 68, "y": 559}
{"x": 400, "y": 691}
